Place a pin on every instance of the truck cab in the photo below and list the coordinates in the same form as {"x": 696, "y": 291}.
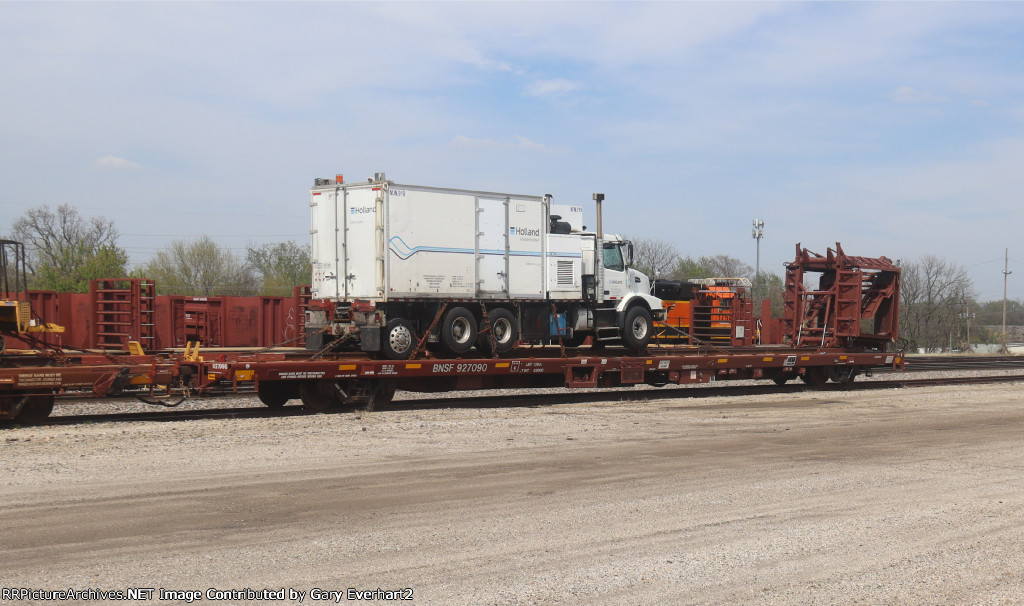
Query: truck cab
{"x": 623, "y": 306}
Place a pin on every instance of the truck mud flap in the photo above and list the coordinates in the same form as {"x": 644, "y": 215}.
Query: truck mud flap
{"x": 369, "y": 339}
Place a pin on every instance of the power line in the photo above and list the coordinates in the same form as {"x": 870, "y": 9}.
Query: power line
{"x": 161, "y": 212}
{"x": 218, "y": 235}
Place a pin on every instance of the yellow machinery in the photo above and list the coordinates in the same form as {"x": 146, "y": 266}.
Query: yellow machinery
{"x": 16, "y": 317}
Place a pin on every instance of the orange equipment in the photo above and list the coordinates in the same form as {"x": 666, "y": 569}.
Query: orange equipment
{"x": 706, "y": 311}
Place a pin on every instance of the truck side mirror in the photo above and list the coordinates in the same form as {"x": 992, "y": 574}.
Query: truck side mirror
{"x": 629, "y": 252}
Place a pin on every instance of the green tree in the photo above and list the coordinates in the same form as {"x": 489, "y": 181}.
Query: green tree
{"x": 990, "y": 313}
{"x": 66, "y": 250}
{"x": 717, "y": 266}
{"x": 769, "y": 286}
{"x": 280, "y": 267}
{"x": 987, "y": 321}
{"x": 107, "y": 262}
{"x": 689, "y": 268}
{"x": 200, "y": 268}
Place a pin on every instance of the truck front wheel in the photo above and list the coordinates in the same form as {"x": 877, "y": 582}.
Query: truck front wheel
{"x": 637, "y": 329}
{"x": 458, "y": 330}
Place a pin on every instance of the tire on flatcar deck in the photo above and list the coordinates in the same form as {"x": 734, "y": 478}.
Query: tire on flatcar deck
{"x": 398, "y": 339}
{"x": 504, "y": 330}
{"x": 637, "y": 329}
{"x": 458, "y": 330}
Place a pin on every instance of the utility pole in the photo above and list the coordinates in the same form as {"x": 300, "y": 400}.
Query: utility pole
{"x": 757, "y": 233}
{"x": 967, "y": 314}
{"x": 1006, "y": 273}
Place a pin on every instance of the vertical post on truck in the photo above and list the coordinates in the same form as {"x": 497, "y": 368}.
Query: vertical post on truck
{"x": 599, "y": 251}
{"x": 380, "y": 237}
{"x": 340, "y": 243}
{"x": 758, "y": 233}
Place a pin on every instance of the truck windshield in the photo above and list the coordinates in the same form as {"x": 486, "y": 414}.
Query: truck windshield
{"x": 613, "y": 257}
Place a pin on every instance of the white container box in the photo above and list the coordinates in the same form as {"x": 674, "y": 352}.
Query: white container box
{"x": 382, "y": 241}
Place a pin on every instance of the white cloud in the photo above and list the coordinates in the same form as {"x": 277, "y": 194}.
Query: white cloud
{"x": 524, "y": 143}
{"x": 470, "y": 143}
{"x": 907, "y": 94}
{"x": 115, "y": 163}
{"x": 521, "y": 143}
{"x": 544, "y": 88}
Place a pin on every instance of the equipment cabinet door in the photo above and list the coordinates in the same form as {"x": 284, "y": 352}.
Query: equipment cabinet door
{"x": 492, "y": 247}
{"x": 325, "y": 246}
{"x": 361, "y": 249}
{"x": 526, "y": 217}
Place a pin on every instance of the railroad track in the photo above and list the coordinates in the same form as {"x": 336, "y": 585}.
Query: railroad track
{"x": 965, "y": 362}
{"x": 536, "y": 400}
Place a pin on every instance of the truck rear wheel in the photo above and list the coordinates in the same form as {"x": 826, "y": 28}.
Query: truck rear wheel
{"x": 636, "y": 329}
{"x": 399, "y": 339}
{"x": 504, "y": 330}
{"x": 458, "y": 330}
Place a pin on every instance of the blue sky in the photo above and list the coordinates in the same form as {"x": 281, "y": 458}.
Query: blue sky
{"x": 894, "y": 128}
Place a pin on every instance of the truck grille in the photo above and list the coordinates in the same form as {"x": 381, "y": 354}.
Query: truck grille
{"x": 564, "y": 270}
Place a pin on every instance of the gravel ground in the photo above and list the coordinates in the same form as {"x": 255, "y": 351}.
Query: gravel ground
{"x": 909, "y": 496}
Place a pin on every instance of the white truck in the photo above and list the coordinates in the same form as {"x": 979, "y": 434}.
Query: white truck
{"x": 466, "y": 268}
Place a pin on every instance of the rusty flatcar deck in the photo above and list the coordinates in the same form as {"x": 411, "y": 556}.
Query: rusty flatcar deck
{"x": 294, "y": 374}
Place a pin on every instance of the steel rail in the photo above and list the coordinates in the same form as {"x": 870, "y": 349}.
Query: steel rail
{"x": 624, "y": 394}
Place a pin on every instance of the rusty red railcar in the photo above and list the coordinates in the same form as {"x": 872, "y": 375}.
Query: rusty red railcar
{"x": 116, "y": 311}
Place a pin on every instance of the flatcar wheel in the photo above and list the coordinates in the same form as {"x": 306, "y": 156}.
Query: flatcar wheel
{"x": 275, "y": 394}
{"x": 815, "y": 376}
{"x": 781, "y": 379}
{"x": 842, "y": 374}
{"x": 317, "y": 396}
{"x": 381, "y": 394}
{"x": 36, "y": 410}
